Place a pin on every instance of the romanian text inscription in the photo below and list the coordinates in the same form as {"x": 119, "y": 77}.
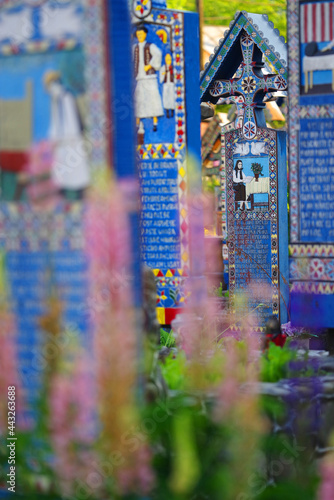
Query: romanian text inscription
{"x": 160, "y": 214}
{"x": 316, "y": 178}
{"x": 253, "y": 245}
{"x": 253, "y": 260}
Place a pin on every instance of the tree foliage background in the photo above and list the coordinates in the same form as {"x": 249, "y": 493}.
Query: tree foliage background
{"x": 221, "y": 12}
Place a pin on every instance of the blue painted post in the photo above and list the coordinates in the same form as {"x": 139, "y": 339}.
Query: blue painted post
{"x": 166, "y": 61}
{"x": 123, "y": 139}
{"x": 311, "y": 160}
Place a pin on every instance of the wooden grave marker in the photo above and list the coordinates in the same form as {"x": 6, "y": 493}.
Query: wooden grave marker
{"x": 254, "y": 170}
{"x": 166, "y": 65}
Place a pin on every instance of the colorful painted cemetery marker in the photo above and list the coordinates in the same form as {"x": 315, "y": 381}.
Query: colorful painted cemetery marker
{"x": 311, "y": 162}
{"x": 56, "y": 84}
{"x": 165, "y": 55}
{"x": 254, "y": 163}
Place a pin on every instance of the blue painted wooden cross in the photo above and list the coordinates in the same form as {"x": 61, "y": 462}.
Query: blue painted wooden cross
{"x": 256, "y": 208}
{"x": 251, "y": 87}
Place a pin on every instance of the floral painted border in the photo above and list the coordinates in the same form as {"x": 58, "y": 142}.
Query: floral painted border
{"x": 271, "y": 215}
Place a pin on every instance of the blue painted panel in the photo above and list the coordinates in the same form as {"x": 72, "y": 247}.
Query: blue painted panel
{"x": 316, "y": 180}
{"x": 312, "y": 310}
{"x": 192, "y": 92}
{"x": 30, "y": 275}
{"x": 17, "y": 71}
{"x": 257, "y": 224}
{"x": 168, "y": 127}
{"x": 253, "y": 262}
{"x": 123, "y": 137}
{"x": 193, "y": 120}
{"x": 121, "y": 89}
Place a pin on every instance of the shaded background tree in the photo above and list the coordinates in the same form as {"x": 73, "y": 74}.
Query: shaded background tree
{"x": 221, "y": 12}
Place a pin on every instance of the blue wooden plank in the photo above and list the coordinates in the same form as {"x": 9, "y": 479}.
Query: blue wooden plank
{"x": 283, "y": 257}
{"x": 121, "y": 89}
{"x": 312, "y": 310}
{"x": 122, "y": 118}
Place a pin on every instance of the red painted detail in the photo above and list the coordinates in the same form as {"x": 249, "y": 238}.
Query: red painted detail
{"x": 171, "y": 313}
{"x": 13, "y": 161}
{"x": 184, "y": 226}
{"x": 185, "y": 271}
{"x": 183, "y": 185}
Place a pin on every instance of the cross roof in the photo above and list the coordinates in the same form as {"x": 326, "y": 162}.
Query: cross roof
{"x": 249, "y": 38}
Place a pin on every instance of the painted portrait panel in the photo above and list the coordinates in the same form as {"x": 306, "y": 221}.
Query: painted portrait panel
{"x": 251, "y": 176}
{"x": 42, "y": 103}
{"x": 155, "y": 79}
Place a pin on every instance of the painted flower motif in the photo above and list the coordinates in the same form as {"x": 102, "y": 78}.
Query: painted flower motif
{"x": 267, "y": 52}
{"x": 249, "y": 130}
{"x": 142, "y": 8}
{"x": 280, "y": 82}
{"x": 216, "y": 88}
{"x": 248, "y": 84}
{"x": 317, "y": 268}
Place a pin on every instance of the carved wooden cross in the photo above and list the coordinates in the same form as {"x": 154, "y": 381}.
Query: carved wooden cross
{"x": 251, "y": 87}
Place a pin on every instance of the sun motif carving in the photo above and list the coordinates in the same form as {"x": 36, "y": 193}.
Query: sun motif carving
{"x": 247, "y": 40}
{"x": 142, "y": 8}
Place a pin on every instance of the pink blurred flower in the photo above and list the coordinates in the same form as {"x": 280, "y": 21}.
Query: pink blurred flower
{"x": 326, "y": 490}
{"x": 115, "y": 332}
{"x": 9, "y": 375}
{"x": 72, "y": 407}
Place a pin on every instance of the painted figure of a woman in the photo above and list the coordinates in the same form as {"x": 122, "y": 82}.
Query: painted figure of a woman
{"x": 239, "y": 180}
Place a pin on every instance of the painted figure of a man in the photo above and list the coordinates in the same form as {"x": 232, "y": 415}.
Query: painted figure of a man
{"x": 147, "y": 61}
